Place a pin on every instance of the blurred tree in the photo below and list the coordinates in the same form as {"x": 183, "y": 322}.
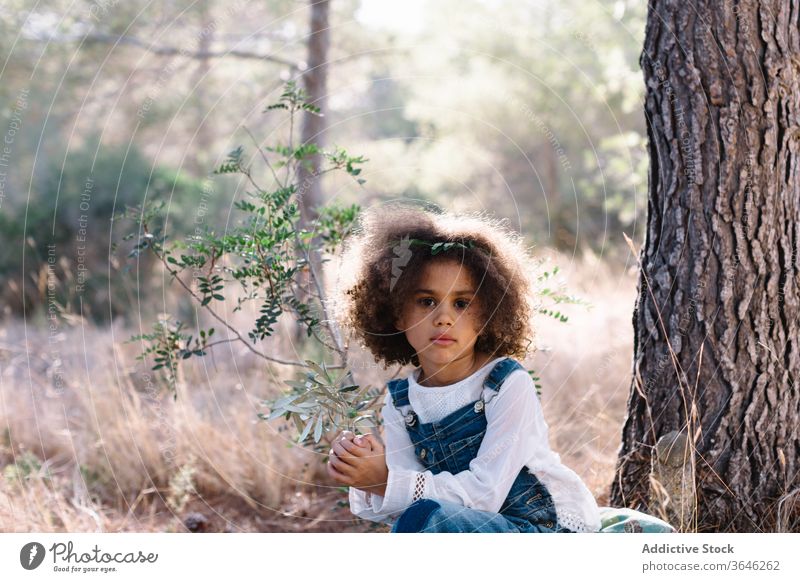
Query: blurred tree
{"x": 59, "y": 249}
{"x": 315, "y": 85}
{"x": 154, "y": 63}
{"x": 717, "y": 322}
{"x": 531, "y": 110}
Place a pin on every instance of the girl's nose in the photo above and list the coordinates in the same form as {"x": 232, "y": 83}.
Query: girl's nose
{"x": 442, "y": 317}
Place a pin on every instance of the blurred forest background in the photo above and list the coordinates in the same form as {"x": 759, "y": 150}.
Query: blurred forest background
{"x": 532, "y": 110}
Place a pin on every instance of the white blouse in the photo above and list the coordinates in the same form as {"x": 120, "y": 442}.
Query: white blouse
{"x": 515, "y": 425}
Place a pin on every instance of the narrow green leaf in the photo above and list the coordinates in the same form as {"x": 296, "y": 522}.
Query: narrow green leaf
{"x": 306, "y": 430}
{"x": 318, "y": 429}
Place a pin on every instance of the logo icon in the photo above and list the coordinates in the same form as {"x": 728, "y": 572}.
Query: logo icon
{"x": 31, "y": 555}
{"x": 402, "y": 254}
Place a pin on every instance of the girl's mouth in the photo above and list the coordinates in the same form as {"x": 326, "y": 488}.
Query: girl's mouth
{"x": 443, "y": 341}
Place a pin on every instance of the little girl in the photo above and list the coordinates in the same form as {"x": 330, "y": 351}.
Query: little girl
{"x": 466, "y": 443}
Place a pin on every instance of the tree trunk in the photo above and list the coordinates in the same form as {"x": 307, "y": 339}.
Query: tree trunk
{"x": 315, "y": 83}
{"x": 716, "y": 354}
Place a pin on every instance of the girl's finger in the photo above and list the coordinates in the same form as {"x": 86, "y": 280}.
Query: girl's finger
{"x": 362, "y": 441}
{"x": 354, "y": 449}
{"x": 340, "y": 466}
{"x": 373, "y": 441}
{"x": 342, "y": 453}
{"x": 340, "y": 477}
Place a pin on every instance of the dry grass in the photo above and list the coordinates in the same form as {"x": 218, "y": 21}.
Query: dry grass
{"x": 90, "y": 442}
{"x": 585, "y": 369}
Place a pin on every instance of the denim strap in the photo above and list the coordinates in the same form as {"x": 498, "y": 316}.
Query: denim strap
{"x": 398, "y": 388}
{"x": 500, "y": 372}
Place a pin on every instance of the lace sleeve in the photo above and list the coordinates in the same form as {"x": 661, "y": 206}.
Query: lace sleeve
{"x": 419, "y": 487}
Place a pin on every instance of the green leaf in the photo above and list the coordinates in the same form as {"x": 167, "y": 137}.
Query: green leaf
{"x": 286, "y": 400}
{"x": 318, "y": 429}
{"x": 274, "y": 414}
{"x": 306, "y": 430}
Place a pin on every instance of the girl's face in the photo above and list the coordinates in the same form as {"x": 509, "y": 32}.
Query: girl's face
{"x": 445, "y": 304}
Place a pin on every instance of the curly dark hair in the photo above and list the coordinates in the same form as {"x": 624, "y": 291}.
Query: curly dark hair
{"x": 383, "y": 259}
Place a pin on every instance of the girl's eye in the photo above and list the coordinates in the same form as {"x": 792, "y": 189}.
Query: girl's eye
{"x": 429, "y": 302}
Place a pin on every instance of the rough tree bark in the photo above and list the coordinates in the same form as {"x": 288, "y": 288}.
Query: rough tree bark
{"x": 716, "y": 353}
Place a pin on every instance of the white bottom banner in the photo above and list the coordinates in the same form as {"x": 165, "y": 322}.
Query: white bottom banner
{"x": 344, "y": 556}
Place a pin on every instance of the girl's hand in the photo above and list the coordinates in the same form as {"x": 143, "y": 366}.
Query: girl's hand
{"x": 359, "y": 462}
{"x": 338, "y": 467}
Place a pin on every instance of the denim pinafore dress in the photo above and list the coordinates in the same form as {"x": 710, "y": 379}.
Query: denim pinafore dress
{"x": 450, "y": 444}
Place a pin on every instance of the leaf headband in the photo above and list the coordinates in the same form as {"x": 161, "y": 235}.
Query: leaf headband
{"x": 437, "y": 247}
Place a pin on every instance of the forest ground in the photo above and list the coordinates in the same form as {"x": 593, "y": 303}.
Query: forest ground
{"x": 89, "y": 441}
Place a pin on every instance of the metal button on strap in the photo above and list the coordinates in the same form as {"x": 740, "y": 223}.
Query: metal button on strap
{"x": 423, "y": 453}
{"x": 548, "y": 524}
{"x": 411, "y": 418}
{"x": 478, "y": 406}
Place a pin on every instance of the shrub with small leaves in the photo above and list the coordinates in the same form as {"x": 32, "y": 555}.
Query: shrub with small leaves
{"x": 546, "y": 292}
{"x": 270, "y": 255}
{"x": 322, "y": 400}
